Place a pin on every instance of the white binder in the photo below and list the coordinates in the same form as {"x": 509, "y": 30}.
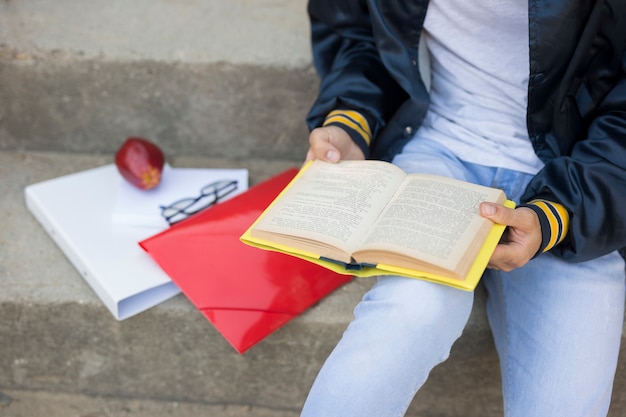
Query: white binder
{"x": 77, "y": 211}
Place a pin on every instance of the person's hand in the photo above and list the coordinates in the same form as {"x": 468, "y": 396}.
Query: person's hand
{"x": 521, "y": 239}
{"x": 332, "y": 144}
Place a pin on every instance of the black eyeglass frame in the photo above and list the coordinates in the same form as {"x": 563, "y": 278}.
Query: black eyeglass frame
{"x": 218, "y": 190}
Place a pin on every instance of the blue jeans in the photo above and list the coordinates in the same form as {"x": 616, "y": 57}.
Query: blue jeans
{"x": 556, "y": 325}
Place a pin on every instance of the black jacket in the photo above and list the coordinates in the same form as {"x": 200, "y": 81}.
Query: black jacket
{"x": 366, "y": 52}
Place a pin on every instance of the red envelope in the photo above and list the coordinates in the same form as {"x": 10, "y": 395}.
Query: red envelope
{"x": 247, "y": 293}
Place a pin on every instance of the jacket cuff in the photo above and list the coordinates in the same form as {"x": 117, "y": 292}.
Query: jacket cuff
{"x": 355, "y": 124}
{"x": 554, "y": 220}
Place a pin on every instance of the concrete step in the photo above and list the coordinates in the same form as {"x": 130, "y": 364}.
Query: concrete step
{"x": 220, "y": 79}
{"x": 56, "y": 336}
{"x": 216, "y": 84}
{"x": 215, "y": 110}
{"x": 50, "y": 404}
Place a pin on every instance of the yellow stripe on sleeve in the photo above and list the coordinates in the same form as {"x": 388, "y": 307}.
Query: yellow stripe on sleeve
{"x": 353, "y": 120}
{"x": 558, "y": 220}
{"x": 554, "y": 225}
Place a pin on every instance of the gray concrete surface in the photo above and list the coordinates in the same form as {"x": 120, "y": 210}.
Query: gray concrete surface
{"x": 56, "y": 336}
{"x": 216, "y": 84}
{"x": 222, "y": 79}
{"x": 37, "y": 403}
{"x": 215, "y": 110}
{"x": 259, "y": 32}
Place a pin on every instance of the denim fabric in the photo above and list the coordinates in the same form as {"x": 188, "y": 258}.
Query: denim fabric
{"x": 556, "y": 325}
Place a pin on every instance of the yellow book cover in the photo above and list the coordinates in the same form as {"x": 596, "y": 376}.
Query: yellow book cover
{"x": 368, "y": 218}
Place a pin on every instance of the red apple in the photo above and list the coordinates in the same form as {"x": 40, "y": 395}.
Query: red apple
{"x": 140, "y": 162}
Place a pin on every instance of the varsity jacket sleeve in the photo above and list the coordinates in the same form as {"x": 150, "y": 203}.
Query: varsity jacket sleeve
{"x": 356, "y": 91}
{"x": 589, "y": 176}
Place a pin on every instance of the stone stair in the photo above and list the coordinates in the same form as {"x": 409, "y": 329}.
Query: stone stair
{"x": 217, "y": 85}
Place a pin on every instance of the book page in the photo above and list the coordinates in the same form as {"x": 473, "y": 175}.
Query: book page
{"x": 434, "y": 219}
{"x": 333, "y": 204}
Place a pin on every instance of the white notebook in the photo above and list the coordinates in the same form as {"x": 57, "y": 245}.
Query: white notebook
{"x": 76, "y": 210}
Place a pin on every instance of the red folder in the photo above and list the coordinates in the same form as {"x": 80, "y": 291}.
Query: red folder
{"x": 247, "y": 293}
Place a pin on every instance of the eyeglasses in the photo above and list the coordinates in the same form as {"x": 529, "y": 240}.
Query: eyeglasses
{"x": 209, "y": 195}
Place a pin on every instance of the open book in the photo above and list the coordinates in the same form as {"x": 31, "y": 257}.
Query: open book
{"x": 369, "y": 218}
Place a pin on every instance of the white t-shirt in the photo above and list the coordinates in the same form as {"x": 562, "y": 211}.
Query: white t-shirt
{"x": 479, "y": 58}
